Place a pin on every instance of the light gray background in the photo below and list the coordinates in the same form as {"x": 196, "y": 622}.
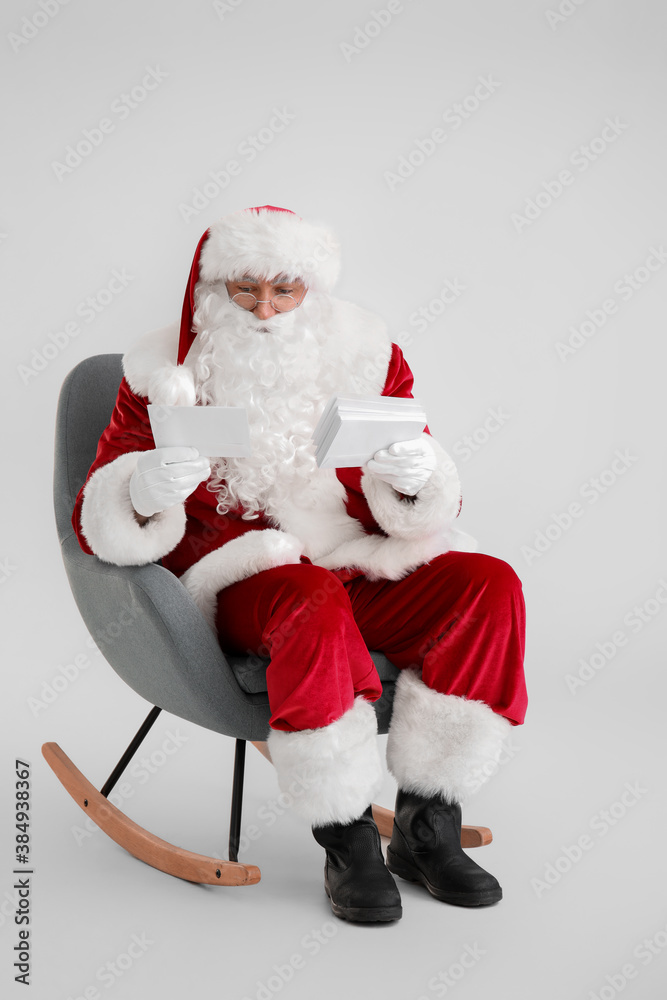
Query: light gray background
{"x": 494, "y": 347}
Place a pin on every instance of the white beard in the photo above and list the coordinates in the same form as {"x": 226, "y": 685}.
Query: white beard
{"x": 278, "y": 370}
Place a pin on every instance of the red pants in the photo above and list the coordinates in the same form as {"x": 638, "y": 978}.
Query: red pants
{"x": 460, "y": 619}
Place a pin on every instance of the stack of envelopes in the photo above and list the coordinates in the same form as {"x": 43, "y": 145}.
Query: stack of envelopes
{"x": 353, "y": 427}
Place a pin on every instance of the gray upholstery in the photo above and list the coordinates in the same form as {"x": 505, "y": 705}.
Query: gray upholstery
{"x": 141, "y": 617}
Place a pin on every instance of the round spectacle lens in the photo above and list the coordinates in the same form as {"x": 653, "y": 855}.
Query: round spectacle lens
{"x": 281, "y": 303}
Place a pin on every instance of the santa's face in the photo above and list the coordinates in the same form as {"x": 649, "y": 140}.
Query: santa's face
{"x": 274, "y": 296}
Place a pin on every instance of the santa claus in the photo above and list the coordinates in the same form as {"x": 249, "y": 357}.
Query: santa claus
{"x": 312, "y": 567}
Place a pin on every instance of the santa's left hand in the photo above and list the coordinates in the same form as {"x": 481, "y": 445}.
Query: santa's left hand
{"x": 406, "y": 465}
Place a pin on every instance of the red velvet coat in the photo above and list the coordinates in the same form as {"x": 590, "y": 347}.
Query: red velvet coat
{"x": 361, "y": 524}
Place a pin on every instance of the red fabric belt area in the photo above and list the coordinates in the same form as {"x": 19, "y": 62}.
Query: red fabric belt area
{"x": 460, "y": 619}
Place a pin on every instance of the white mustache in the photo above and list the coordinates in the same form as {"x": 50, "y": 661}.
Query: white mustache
{"x": 274, "y": 325}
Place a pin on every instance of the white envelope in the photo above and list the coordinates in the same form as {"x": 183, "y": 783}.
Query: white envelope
{"x": 353, "y": 426}
{"x": 356, "y": 441}
{"x": 215, "y": 431}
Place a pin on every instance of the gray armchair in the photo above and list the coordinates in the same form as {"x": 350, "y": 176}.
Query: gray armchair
{"x": 154, "y": 636}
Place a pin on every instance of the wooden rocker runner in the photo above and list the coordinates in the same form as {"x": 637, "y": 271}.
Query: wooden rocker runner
{"x": 175, "y": 860}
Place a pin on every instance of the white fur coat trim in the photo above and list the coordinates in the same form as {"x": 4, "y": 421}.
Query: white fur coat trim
{"x": 442, "y": 745}
{"x": 382, "y": 558}
{"x": 434, "y": 509}
{"x": 244, "y": 556}
{"x": 357, "y": 347}
{"x": 315, "y": 512}
{"x": 416, "y": 531}
{"x": 150, "y": 369}
{"x": 109, "y": 525}
{"x": 335, "y": 772}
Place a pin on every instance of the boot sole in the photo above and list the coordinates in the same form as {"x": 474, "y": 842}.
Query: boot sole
{"x": 365, "y": 914}
{"x": 410, "y": 873}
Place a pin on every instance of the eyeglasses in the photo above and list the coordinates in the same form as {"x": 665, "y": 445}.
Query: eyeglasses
{"x": 281, "y": 303}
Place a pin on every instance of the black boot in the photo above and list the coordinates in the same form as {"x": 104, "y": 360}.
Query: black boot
{"x": 426, "y": 847}
{"x": 356, "y": 879}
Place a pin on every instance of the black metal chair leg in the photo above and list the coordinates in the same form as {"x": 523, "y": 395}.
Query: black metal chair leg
{"x": 237, "y": 786}
{"x": 130, "y": 752}
{"x": 237, "y": 801}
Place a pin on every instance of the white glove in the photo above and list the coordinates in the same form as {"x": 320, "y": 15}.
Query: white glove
{"x": 166, "y": 476}
{"x": 406, "y": 465}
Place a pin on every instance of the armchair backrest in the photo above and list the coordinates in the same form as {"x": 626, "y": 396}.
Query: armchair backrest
{"x": 85, "y": 406}
{"x": 141, "y": 617}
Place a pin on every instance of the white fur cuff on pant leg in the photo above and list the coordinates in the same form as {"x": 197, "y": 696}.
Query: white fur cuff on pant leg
{"x": 442, "y": 744}
{"x": 336, "y": 770}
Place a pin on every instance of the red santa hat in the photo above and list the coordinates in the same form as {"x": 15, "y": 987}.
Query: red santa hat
{"x": 260, "y": 242}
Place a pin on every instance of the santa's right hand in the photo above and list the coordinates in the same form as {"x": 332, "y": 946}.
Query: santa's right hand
{"x": 166, "y": 476}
